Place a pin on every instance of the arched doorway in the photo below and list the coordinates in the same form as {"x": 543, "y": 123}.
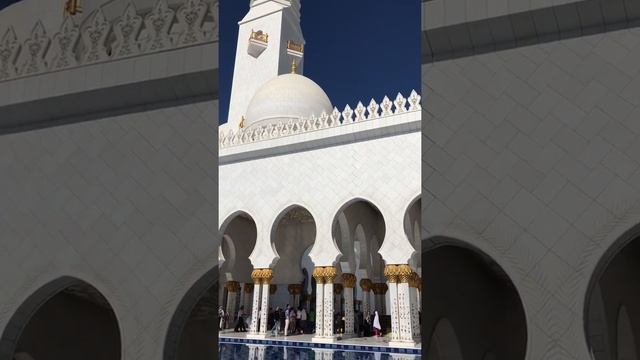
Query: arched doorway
{"x": 358, "y": 230}
{"x": 193, "y": 331}
{"x": 65, "y": 319}
{"x": 292, "y": 236}
{"x": 612, "y": 312}
{"x": 238, "y": 241}
{"x": 478, "y": 299}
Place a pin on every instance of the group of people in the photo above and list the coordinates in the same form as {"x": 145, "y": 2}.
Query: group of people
{"x": 289, "y": 320}
{"x": 241, "y": 320}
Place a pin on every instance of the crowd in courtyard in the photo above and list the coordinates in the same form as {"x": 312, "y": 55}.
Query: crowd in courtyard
{"x": 289, "y": 320}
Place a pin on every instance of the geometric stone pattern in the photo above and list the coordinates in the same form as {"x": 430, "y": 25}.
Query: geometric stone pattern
{"x": 127, "y": 203}
{"x": 532, "y": 155}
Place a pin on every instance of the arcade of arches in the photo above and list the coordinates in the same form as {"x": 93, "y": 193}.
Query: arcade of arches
{"x": 358, "y": 283}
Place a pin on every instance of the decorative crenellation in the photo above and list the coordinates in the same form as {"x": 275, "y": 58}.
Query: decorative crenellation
{"x": 262, "y": 276}
{"x": 324, "y": 274}
{"x": 98, "y": 40}
{"x": 348, "y": 280}
{"x": 293, "y": 126}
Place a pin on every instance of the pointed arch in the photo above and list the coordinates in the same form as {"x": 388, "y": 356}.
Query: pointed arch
{"x": 85, "y": 313}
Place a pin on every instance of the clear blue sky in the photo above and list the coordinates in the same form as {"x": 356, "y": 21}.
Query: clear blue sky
{"x": 5, "y": 3}
{"x": 355, "y": 49}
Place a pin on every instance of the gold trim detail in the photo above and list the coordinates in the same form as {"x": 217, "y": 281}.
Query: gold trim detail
{"x": 324, "y": 274}
{"x": 72, "y": 7}
{"x": 233, "y": 286}
{"x": 349, "y": 280}
{"x": 380, "y": 288}
{"x": 262, "y": 276}
{"x": 295, "y": 289}
{"x": 398, "y": 273}
{"x": 259, "y": 36}
{"x": 241, "y": 125}
{"x": 291, "y": 45}
{"x": 366, "y": 284}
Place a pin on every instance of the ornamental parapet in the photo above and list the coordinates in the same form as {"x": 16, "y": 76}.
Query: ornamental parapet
{"x": 323, "y": 121}
{"x": 163, "y": 28}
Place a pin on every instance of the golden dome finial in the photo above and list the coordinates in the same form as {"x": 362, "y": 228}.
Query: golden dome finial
{"x": 241, "y": 123}
{"x": 294, "y": 67}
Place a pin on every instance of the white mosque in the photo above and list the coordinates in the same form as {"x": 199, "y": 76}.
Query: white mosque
{"x": 319, "y": 205}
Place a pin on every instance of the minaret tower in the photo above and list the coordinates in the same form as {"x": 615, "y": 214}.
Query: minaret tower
{"x": 269, "y": 40}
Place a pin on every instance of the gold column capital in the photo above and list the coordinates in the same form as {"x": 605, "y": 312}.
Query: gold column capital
{"x": 380, "y": 288}
{"x": 348, "y": 280}
{"x": 398, "y": 273}
{"x": 325, "y": 274}
{"x": 366, "y": 284}
{"x": 262, "y": 276}
{"x": 233, "y": 286}
{"x": 295, "y": 289}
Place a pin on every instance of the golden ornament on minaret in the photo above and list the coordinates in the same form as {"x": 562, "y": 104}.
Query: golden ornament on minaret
{"x": 72, "y": 7}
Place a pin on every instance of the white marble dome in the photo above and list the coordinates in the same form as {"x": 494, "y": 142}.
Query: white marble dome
{"x": 287, "y": 96}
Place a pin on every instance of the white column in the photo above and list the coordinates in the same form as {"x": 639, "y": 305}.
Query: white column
{"x": 366, "y": 284}
{"x": 400, "y": 277}
{"x": 395, "y": 315}
{"x": 348, "y": 281}
{"x": 264, "y": 307}
{"x": 413, "y": 299}
{"x": 324, "y": 303}
{"x": 328, "y": 308}
{"x": 248, "y": 292}
{"x": 319, "y": 306}
{"x": 255, "y": 309}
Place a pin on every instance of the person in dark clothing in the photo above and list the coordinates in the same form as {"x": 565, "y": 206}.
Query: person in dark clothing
{"x": 240, "y": 321}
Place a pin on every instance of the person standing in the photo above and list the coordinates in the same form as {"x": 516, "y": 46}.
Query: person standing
{"x": 275, "y": 330}
{"x": 303, "y": 320}
{"x": 240, "y": 321}
{"x": 221, "y": 318}
{"x": 287, "y": 320}
{"x": 377, "y": 329}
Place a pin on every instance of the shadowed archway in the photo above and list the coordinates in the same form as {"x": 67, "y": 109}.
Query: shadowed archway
{"x": 65, "y": 319}
{"x": 612, "y": 306}
{"x": 193, "y": 331}
{"x": 480, "y": 302}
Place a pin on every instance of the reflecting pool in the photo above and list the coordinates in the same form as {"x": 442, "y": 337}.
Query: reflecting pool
{"x": 263, "y": 352}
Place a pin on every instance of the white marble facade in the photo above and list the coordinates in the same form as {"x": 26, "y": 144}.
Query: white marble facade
{"x": 351, "y": 178}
